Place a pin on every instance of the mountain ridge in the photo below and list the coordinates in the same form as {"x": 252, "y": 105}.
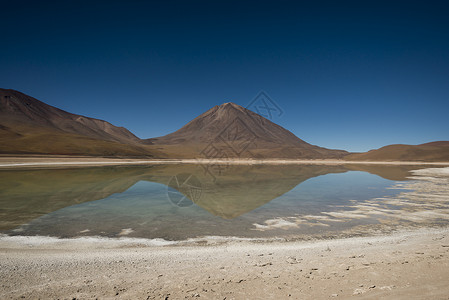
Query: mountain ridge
{"x": 30, "y": 126}
{"x": 20, "y": 107}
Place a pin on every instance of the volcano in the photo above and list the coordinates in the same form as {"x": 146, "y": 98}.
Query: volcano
{"x": 232, "y": 131}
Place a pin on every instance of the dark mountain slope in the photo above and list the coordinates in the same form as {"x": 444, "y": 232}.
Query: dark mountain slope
{"x": 234, "y": 131}
{"x": 16, "y": 107}
{"x": 29, "y": 126}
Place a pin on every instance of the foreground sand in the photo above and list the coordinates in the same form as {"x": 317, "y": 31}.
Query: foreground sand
{"x": 405, "y": 265}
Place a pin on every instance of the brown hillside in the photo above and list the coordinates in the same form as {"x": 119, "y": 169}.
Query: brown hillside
{"x": 229, "y": 130}
{"x": 432, "y": 152}
{"x": 29, "y": 126}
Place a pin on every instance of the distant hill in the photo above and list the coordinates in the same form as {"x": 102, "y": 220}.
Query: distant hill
{"x": 29, "y": 126}
{"x": 431, "y": 152}
{"x": 230, "y": 131}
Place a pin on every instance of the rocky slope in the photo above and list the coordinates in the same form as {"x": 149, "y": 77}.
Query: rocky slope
{"x": 29, "y": 126}
{"x": 229, "y": 130}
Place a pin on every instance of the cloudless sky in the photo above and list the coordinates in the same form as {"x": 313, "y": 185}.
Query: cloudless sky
{"x": 353, "y": 75}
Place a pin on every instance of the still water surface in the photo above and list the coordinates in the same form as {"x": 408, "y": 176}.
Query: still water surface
{"x": 176, "y": 202}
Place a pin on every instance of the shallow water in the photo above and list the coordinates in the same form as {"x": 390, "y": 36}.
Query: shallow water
{"x": 175, "y": 202}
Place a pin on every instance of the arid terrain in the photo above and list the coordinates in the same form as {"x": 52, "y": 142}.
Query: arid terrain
{"x": 405, "y": 265}
{"x": 434, "y": 151}
{"x": 29, "y": 126}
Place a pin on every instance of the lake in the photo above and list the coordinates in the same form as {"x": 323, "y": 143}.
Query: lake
{"x": 179, "y": 202}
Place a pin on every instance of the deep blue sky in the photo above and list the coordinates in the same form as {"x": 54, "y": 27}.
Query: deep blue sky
{"x": 351, "y": 75}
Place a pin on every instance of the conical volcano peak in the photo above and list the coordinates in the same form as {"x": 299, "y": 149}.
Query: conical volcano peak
{"x": 230, "y": 105}
{"x": 239, "y": 132}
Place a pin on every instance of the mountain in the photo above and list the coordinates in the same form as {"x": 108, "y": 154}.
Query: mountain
{"x": 431, "y": 152}
{"x": 20, "y": 108}
{"x": 30, "y": 126}
{"x": 230, "y": 130}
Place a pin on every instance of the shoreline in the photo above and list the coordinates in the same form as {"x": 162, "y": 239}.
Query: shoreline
{"x": 402, "y": 265}
{"x": 8, "y": 162}
{"x": 37, "y": 242}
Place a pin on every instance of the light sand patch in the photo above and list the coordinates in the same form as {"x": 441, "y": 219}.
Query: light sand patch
{"x": 293, "y": 222}
{"x": 275, "y": 224}
{"x": 126, "y": 231}
{"x": 432, "y": 172}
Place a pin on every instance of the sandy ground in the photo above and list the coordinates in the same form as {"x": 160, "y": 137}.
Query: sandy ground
{"x": 405, "y": 265}
{"x": 63, "y": 161}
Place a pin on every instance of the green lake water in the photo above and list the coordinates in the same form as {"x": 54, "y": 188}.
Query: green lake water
{"x": 177, "y": 202}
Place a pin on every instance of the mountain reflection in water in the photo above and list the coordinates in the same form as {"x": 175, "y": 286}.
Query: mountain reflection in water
{"x": 224, "y": 191}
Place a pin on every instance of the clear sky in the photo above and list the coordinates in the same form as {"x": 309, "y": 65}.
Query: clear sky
{"x": 353, "y": 75}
